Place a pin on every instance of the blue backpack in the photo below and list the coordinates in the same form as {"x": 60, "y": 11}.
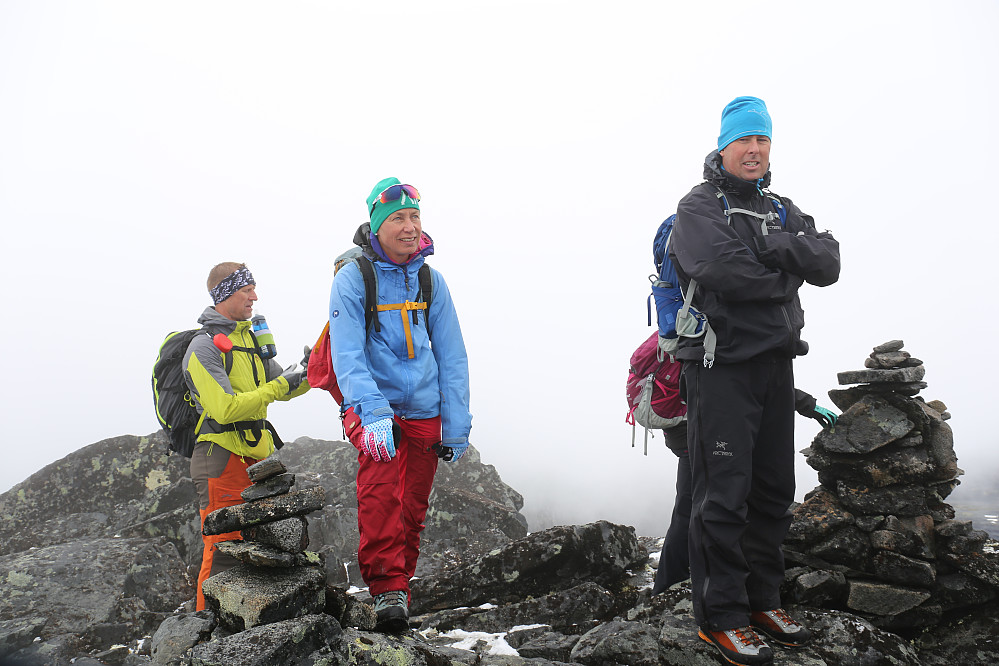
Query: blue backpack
{"x": 671, "y": 304}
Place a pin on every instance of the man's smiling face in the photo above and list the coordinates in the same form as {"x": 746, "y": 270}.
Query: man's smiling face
{"x": 747, "y": 157}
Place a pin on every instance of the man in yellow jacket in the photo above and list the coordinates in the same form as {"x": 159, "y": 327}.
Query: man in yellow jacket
{"x": 231, "y": 384}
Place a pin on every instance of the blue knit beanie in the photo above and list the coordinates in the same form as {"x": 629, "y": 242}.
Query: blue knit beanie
{"x": 744, "y": 116}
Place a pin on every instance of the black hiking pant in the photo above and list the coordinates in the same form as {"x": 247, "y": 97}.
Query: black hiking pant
{"x": 674, "y": 561}
{"x": 740, "y": 420}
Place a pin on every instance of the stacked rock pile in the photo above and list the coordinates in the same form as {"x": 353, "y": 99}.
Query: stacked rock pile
{"x": 877, "y": 537}
{"x": 276, "y": 579}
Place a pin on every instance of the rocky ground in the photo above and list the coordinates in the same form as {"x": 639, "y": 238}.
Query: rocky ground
{"x": 99, "y": 552}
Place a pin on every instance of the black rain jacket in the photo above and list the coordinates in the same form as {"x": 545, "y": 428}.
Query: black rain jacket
{"x": 747, "y": 283}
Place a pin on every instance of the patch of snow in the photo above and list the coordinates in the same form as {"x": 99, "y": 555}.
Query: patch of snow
{"x": 466, "y": 640}
{"x": 521, "y": 627}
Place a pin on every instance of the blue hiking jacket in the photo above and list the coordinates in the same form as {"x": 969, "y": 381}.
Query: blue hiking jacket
{"x": 373, "y": 369}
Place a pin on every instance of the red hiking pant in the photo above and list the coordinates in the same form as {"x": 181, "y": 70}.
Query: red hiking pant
{"x": 392, "y": 501}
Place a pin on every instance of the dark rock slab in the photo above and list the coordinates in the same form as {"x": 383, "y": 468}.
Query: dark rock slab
{"x": 981, "y": 564}
{"x": 542, "y": 562}
{"x": 549, "y": 645}
{"x": 892, "y": 465}
{"x": 347, "y": 610}
{"x": 888, "y": 360}
{"x": 303, "y": 640}
{"x": 19, "y": 632}
{"x": 901, "y": 500}
{"x": 879, "y": 598}
{"x": 247, "y": 596}
{"x": 848, "y": 546}
{"x": 924, "y": 615}
{"x": 94, "y": 492}
{"x": 890, "y": 346}
{"x": 820, "y": 588}
{"x": 959, "y": 590}
{"x": 566, "y": 611}
{"x": 455, "y": 512}
{"x": 372, "y": 649}
{"x": 868, "y": 424}
{"x": 290, "y": 535}
{"x": 275, "y": 485}
{"x": 178, "y": 634}
{"x": 817, "y": 518}
{"x": 618, "y": 642}
{"x": 913, "y": 536}
{"x": 262, "y": 555}
{"x": 59, "y": 649}
{"x": 82, "y": 583}
{"x": 897, "y": 568}
{"x": 877, "y": 376}
{"x": 967, "y": 639}
{"x": 240, "y": 516}
{"x": 266, "y": 469}
{"x": 517, "y": 637}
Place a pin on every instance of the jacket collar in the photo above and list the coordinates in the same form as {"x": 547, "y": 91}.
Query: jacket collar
{"x": 716, "y": 175}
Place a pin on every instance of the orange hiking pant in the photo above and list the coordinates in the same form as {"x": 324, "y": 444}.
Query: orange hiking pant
{"x": 219, "y": 479}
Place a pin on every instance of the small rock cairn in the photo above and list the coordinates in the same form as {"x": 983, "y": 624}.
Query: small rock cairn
{"x": 276, "y": 579}
{"x": 876, "y": 538}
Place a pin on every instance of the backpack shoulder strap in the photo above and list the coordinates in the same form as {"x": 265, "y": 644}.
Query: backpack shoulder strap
{"x": 762, "y": 217}
{"x": 426, "y": 280}
{"x": 370, "y": 293}
{"x": 778, "y": 206}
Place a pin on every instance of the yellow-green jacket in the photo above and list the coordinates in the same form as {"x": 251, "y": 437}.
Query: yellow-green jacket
{"x": 239, "y": 395}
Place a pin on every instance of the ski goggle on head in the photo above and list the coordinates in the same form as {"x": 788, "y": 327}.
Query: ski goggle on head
{"x": 394, "y": 192}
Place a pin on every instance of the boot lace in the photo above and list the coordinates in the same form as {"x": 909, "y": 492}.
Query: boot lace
{"x": 748, "y": 637}
{"x": 781, "y": 616}
{"x": 392, "y": 598}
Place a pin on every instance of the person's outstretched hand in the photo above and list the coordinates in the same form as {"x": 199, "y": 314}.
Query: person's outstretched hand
{"x": 824, "y": 416}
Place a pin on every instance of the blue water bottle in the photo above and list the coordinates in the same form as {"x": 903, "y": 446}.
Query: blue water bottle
{"x": 264, "y": 336}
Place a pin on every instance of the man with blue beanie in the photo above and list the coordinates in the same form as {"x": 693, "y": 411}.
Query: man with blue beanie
{"x": 748, "y": 251}
{"x": 405, "y": 400}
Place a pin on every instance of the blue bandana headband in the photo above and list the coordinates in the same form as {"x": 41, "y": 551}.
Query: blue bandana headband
{"x": 230, "y": 284}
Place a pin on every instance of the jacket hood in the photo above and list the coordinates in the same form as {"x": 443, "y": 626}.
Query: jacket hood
{"x": 368, "y": 242}
{"x": 218, "y": 323}
{"x": 719, "y": 177}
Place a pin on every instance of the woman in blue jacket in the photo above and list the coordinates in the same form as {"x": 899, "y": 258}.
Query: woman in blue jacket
{"x": 405, "y": 400}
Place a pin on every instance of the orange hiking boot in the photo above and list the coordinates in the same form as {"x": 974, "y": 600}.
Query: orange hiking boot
{"x": 779, "y": 626}
{"x": 739, "y": 646}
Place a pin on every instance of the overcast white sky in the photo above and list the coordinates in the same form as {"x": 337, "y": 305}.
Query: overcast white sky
{"x": 143, "y": 142}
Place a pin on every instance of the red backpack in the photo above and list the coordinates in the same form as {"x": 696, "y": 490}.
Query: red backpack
{"x": 653, "y": 390}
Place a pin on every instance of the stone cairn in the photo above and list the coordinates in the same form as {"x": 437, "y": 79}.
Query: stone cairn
{"x": 876, "y": 538}
{"x": 276, "y": 579}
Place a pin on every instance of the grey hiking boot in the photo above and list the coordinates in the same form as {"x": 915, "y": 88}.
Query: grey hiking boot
{"x": 739, "y": 646}
{"x": 392, "y": 611}
{"x": 780, "y": 627}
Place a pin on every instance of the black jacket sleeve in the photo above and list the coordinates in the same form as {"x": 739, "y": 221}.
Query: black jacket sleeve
{"x": 801, "y": 251}
{"x": 708, "y": 250}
